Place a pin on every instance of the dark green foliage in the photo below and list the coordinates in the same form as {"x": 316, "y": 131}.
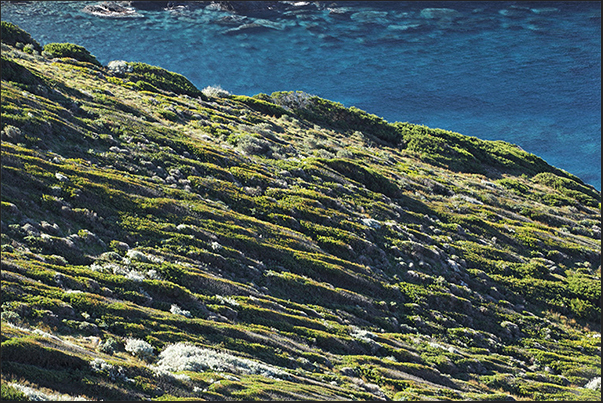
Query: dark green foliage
{"x": 322, "y": 111}
{"x": 11, "y": 34}
{"x": 469, "y": 154}
{"x": 571, "y": 187}
{"x": 27, "y": 352}
{"x": 72, "y": 51}
{"x": 13, "y": 71}
{"x": 261, "y": 105}
{"x": 514, "y": 185}
{"x": 585, "y": 296}
{"x": 366, "y": 176}
{"x": 162, "y": 79}
{"x": 145, "y": 86}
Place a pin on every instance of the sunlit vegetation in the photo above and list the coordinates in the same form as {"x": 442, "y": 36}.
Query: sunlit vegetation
{"x": 161, "y": 242}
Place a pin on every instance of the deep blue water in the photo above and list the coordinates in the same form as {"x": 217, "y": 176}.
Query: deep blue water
{"x": 527, "y": 73}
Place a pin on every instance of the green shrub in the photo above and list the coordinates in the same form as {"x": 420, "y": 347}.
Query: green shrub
{"x": 334, "y": 114}
{"x": 169, "y": 115}
{"x": 109, "y": 346}
{"x": 570, "y": 187}
{"x": 9, "y": 393}
{"x": 584, "y": 309}
{"x": 585, "y": 288}
{"x": 261, "y": 105}
{"x": 70, "y": 50}
{"x": 12, "y": 34}
{"x": 159, "y": 78}
{"x": 144, "y": 86}
{"x": 586, "y": 303}
{"x": 372, "y": 180}
{"x": 513, "y": 184}
{"x": 29, "y": 48}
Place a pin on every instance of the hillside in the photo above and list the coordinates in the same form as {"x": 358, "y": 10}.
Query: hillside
{"x": 165, "y": 242}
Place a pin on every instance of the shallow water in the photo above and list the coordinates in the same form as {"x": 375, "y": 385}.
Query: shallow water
{"x": 527, "y": 73}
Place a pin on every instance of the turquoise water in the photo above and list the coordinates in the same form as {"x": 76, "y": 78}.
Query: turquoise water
{"x": 527, "y": 73}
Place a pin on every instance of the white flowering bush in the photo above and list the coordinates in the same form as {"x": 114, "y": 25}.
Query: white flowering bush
{"x": 36, "y": 395}
{"x": 119, "y": 67}
{"x": 162, "y": 373}
{"x": 100, "y": 365}
{"x": 215, "y": 92}
{"x": 594, "y": 384}
{"x": 187, "y": 357}
{"x": 113, "y": 372}
{"x": 227, "y": 301}
{"x": 292, "y": 99}
{"x": 134, "y": 254}
{"x": 366, "y": 338}
{"x": 135, "y": 275}
{"x": 11, "y": 133}
{"x": 73, "y": 291}
{"x": 176, "y": 310}
{"x": 10, "y": 316}
{"x": 109, "y": 346}
{"x": 139, "y": 348}
{"x": 371, "y": 222}
{"x": 123, "y": 269}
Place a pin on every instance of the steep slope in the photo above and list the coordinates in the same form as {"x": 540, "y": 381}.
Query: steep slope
{"x": 164, "y": 242}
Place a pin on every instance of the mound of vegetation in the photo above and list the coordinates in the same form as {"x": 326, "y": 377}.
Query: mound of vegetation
{"x": 162, "y": 79}
{"x": 70, "y": 50}
{"x": 13, "y": 35}
{"x": 161, "y": 243}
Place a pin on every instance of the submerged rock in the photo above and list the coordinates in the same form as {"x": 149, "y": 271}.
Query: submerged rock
{"x": 340, "y": 12}
{"x": 544, "y": 10}
{"x": 249, "y": 7}
{"x": 405, "y": 27}
{"x": 439, "y": 13}
{"x": 111, "y": 9}
{"x": 149, "y": 5}
{"x": 370, "y": 17}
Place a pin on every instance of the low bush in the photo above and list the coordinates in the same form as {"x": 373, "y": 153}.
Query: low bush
{"x": 70, "y": 50}
{"x": 187, "y": 357}
{"x": 252, "y": 145}
{"x": 139, "y": 348}
{"x": 261, "y": 104}
{"x": 334, "y": 114}
{"x": 119, "y": 67}
{"x": 371, "y": 179}
{"x": 109, "y": 346}
{"x": 162, "y": 79}
{"x": 215, "y": 92}
{"x": 9, "y": 393}
{"x": 570, "y": 188}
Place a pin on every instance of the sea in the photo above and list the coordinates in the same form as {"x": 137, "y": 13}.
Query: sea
{"x": 528, "y": 73}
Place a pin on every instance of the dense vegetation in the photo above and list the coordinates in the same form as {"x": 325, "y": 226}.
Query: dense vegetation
{"x": 162, "y": 242}
{"x": 15, "y": 36}
{"x": 69, "y": 50}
